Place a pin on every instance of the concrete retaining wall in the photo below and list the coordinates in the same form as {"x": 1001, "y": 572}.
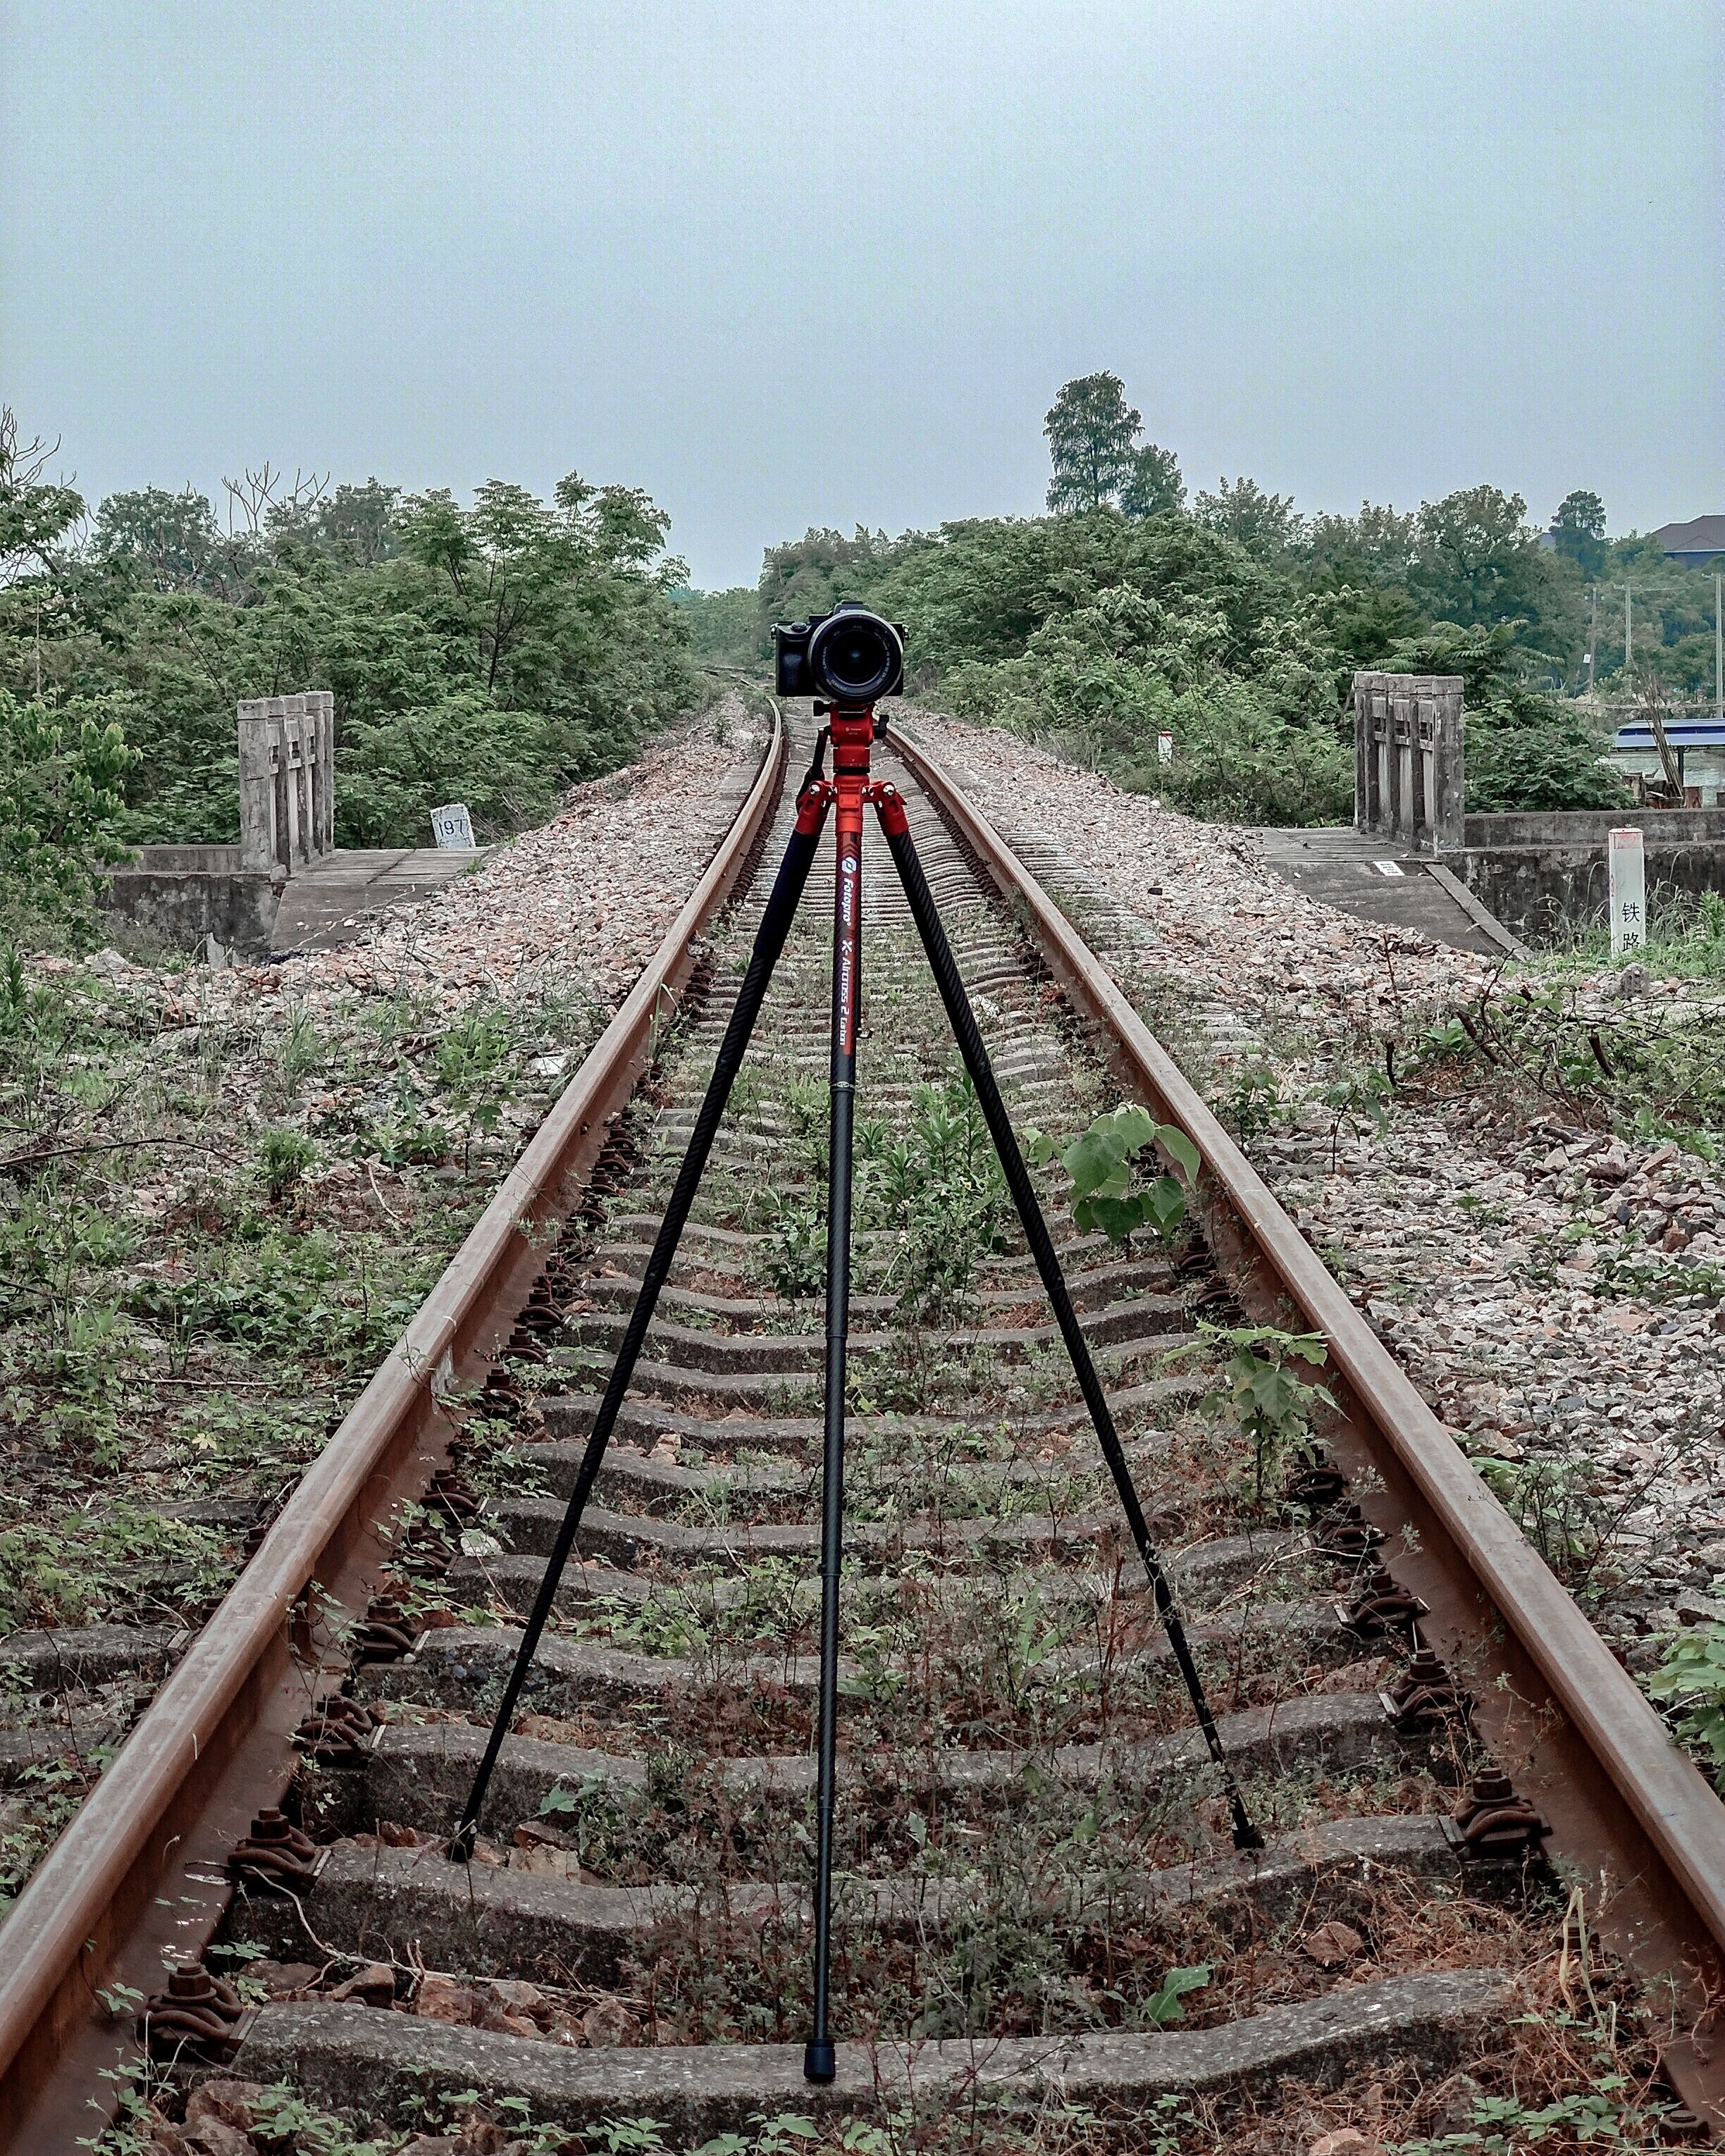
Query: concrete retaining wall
{"x": 1540, "y": 892}
{"x": 186, "y": 893}
{"x": 1589, "y": 826}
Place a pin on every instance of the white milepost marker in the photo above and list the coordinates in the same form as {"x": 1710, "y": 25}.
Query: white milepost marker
{"x": 1626, "y": 856}
{"x": 452, "y": 828}
{"x": 1165, "y": 748}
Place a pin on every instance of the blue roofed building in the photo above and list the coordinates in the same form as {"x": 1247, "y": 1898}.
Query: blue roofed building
{"x": 1698, "y": 744}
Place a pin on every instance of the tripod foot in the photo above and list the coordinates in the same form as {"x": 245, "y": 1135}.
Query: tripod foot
{"x": 820, "y": 2062}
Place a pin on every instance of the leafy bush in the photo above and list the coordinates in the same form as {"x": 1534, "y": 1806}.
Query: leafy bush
{"x": 1106, "y": 679}
{"x": 60, "y": 776}
{"x": 1693, "y": 1675}
{"x": 1102, "y": 1165}
{"x": 1529, "y": 751}
{"x": 392, "y": 772}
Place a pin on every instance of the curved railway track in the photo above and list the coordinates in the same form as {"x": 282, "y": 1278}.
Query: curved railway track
{"x": 1037, "y": 1882}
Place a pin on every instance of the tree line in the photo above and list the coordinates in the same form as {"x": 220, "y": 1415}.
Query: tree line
{"x": 1234, "y": 623}
{"x": 490, "y": 653}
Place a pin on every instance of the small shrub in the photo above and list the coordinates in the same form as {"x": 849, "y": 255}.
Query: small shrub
{"x": 1693, "y": 1675}
{"x": 284, "y": 1156}
{"x": 1102, "y": 1164}
{"x": 1274, "y": 1405}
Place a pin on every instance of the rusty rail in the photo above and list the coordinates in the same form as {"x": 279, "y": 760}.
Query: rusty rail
{"x": 1638, "y": 1823}
{"x": 138, "y": 1877}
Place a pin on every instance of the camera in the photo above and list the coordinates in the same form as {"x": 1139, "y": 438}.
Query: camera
{"x": 851, "y": 656}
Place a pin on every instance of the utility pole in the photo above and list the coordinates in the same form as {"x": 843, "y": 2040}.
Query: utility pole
{"x": 1629, "y": 634}
{"x": 1719, "y": 646}
{"x": 1593, "y": 644}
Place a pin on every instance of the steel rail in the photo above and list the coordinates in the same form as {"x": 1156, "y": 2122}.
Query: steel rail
{"x": 1632, "y": 1816}
{"x": 137, "y": 1873}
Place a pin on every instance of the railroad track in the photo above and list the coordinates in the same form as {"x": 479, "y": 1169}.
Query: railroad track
{"x": 1039, "y": 1908}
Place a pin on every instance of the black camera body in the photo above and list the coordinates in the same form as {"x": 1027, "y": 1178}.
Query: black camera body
{"x": 849, "y": 656}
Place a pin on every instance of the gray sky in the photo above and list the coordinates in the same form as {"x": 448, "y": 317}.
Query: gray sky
{"x": 787, "y": 261}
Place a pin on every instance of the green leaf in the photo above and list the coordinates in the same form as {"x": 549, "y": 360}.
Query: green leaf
{"x": 1134, "y": 1126}
{"x": 1164, "y": 2006}
{"x": 1116, "y": 1217}
{"x": 1180, "y": 1149}
{"x": 1092, "y": 1159}
{"x": 1165, "y": 1205}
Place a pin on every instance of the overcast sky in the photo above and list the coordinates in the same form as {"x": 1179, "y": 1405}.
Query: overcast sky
{"x": 783, "y": 262}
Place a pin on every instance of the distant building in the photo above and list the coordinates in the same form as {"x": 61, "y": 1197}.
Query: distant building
{"x": 1698, "y": 745}
{"x": 1700, "y": 540}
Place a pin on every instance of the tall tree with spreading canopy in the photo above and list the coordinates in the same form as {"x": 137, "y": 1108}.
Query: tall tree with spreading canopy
{"x": 1092, "y": 438}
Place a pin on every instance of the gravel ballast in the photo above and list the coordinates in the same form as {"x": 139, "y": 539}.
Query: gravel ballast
{"x": 1551, "y": 1288}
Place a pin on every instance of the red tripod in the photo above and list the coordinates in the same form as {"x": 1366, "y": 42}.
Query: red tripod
{"x": 852, "y": 733}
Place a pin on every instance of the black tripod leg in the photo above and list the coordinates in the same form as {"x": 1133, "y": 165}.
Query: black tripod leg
{"x": 769, "y": 942}
{"x": 819, "y": 2060}
{"x": 962, "y": 1021}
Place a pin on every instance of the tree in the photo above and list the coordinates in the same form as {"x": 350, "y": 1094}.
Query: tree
{"x": 1579, "y": 529}
{"x": 359, "y": 522}
{"x": 1528, "y": 751}
{"x": 60, "y": 779}
{"x": 1154, "y": 487}
{"x": 1267, "y": 525}
{"x": 35, "y": 514}
{"x": 1092, "y": 437}
{"x": 169, "y": 540}
{"x": 1477, "y": 561}
{"x": 1374, "y": 549}
{"x": 805, "y": 576}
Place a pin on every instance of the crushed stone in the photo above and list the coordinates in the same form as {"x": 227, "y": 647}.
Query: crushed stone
{"x": 1553, "y": 1292}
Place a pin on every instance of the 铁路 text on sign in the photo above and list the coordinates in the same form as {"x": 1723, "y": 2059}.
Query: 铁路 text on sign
{"x": 1626, "y": 860}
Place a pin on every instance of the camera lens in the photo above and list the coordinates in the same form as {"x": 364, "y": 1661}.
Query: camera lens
{"x": 854, "y": 657}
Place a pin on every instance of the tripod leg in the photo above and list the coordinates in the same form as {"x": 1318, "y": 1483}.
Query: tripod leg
{"x": 769, "y": 943}
{"x": 962, "y": 1020}
{"x": 820, "y": 2062}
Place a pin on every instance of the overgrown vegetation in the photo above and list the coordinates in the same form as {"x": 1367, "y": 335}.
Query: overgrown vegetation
{"x": 217, "y": 1214}
{"x": 1234, "y": 624}
{"x": 492, "y": 654}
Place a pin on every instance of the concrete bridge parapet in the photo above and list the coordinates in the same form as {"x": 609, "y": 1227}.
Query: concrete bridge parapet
{"x": 1408, "y": 759}
{"x": 287, "y": 781}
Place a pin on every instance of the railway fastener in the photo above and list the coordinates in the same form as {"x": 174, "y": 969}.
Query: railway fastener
{"x": 1493, "y": 1821}
{"x": 1347, "y": 1535}
{"x": 276, "y": 1855}
{"x": 1383, "y": 1605}
{"x": 1315, "y": 1487}
{"x": 198, "y": 2019}
{"x": 1424, "y": 1698}
{"x": 339, "y": 1732}
{"x": 452, "y": 1497}
{"x": 388, "y": 1633}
